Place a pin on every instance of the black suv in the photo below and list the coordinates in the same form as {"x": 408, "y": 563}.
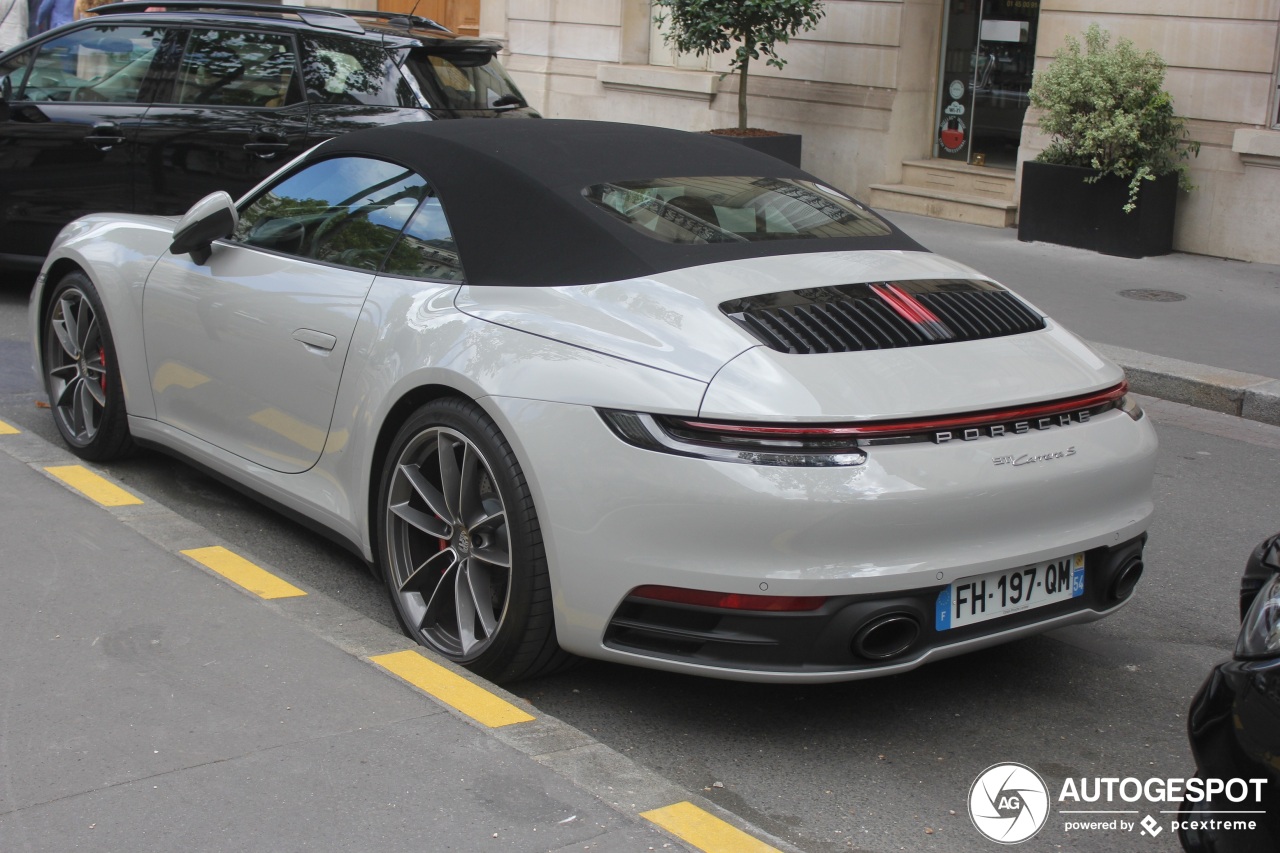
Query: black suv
{"x": 148, "y": 111}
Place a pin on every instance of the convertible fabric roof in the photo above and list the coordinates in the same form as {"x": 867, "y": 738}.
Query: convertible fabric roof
{"x": 512, "y": 191}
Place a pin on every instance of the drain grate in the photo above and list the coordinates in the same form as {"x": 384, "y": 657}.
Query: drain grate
{"x": 1146, "y": 295}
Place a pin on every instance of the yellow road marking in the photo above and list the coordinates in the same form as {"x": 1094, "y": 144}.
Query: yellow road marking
{"x": 241, "y": 572}
{"x": 92, "y": 486}
{"x": 704, "y": 830}
{"x": 453, "y": 690}
{"x": 8, "y": 429}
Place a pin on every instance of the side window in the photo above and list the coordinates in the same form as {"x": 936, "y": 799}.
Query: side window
{"x": 352, "y": 71}
{"x": 101, "y": 63}
{"x": 12, "y": 71}
{"x": 239, "y": 69}
{"x": 346, "y": 211}
{"x": 426, "y": 250}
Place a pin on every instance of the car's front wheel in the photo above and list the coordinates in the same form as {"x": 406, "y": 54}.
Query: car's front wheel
{"x": 461, "y": 547}
{"x": 82, "y": 374}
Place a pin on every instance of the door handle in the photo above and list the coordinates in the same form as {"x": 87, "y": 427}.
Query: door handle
{"x": 315, "y": 340}
{"x": 265, "y": 150}
{"x": 266, "y": 145}
{"x": 104, "y": 136}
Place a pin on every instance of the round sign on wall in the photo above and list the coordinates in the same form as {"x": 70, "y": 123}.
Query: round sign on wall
{"x": 956, "y": 89}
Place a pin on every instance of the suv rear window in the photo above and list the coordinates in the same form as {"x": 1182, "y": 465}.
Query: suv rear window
{"x": 463, "y": 80}
{"x": 348, "y": 71}
{"x": 735, "y": 209}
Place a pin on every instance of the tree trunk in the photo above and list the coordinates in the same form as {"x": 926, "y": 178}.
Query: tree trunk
{"x": 742, "y": 94}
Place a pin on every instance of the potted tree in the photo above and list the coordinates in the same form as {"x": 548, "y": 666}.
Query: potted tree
{"x": 752, "y": 29}
{"x": 1110, "y": 176}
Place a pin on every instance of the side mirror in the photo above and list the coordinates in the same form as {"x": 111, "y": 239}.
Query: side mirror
{"x": 6, "y": 95}
{"x": 211, "y": 218}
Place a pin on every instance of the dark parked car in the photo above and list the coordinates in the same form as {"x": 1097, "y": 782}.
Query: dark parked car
{"x": 1234, "y": 724}
{"x": 148, "y": 111}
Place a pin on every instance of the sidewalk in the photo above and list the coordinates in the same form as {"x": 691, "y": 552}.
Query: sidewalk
{"x": 147, "y": 705}
{"x": 1218, "y": 348}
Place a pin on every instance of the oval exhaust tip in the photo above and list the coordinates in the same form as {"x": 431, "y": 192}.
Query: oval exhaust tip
{"x": 1127, "y": 579}
{"x": 887, "y": 636}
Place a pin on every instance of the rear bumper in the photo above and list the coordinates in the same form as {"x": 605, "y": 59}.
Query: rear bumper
{"x": 888, "y": 534}
{"x": 828, "y": 640}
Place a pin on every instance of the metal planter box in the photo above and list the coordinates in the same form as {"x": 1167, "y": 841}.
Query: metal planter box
{"x": 1058, "y": 206}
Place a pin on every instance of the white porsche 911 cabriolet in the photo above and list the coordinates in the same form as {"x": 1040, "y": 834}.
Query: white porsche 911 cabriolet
{"x": 577, "y": 388}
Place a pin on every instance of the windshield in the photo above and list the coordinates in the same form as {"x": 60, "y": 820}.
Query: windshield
{"x": 464, "y": 80}
{"x": 735, "y": 209}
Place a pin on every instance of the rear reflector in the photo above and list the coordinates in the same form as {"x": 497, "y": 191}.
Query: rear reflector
{"x": 729, "y": 600}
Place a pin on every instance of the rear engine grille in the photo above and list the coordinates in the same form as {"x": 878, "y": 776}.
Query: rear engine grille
{"x": 883, "y": 315}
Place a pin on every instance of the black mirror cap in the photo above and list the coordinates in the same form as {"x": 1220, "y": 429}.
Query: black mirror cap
{"x": 195, "y": 236}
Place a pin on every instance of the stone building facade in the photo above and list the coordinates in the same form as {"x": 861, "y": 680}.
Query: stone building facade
{"x": 898, "y": 100}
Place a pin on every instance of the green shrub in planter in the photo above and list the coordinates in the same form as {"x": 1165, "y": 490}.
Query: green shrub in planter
{"x": 1106, "y": 108}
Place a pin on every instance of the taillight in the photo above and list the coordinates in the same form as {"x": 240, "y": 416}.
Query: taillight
{"x": 799, "y": 447}
{"x": 730, "y": 600}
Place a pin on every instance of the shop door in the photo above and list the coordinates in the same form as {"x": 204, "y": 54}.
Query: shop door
{"x": 461, "y": 16}
{"x": 989, "y": 50}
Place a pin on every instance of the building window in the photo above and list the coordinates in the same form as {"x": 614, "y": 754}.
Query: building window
{"x": 661, "y": 53}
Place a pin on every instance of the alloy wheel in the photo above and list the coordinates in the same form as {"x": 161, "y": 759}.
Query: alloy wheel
{"x": 76, "y": 363}
{"x": 450, "y": 547}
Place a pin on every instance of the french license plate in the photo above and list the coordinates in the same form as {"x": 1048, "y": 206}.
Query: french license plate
{"x": 982, "y": 597}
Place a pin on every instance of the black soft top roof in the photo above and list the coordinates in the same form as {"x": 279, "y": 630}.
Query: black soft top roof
{"x": 512, "y": 191}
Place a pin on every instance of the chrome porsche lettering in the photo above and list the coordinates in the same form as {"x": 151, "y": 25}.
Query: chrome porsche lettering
{"x": 1029, "y": 458}
{"x": 1011, "y": 428}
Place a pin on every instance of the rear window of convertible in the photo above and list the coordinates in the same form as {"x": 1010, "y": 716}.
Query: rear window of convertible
{"x": 734, "y": 209}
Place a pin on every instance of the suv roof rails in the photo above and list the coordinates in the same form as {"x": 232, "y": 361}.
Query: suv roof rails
{"x": 412, "y": 20}
{"x": 329, "y": 19}
{"x": 323, "y": 17}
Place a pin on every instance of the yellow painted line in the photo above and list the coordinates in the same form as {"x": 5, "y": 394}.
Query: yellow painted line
{"x": 92, "y": 486}
{"x": 241, "y": 572}
{"x": 704, "y": 830}
{"x": 452, "y": 689}
{"x": 8, "y": 429}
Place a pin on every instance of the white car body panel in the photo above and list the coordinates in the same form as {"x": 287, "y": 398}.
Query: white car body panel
{"x": 672, "y": 321}
{"x": 968, "y": 376}
{"x": 246, "y": 351}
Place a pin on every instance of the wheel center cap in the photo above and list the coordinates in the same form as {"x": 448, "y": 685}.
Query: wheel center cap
{"x": 463, "y": 543}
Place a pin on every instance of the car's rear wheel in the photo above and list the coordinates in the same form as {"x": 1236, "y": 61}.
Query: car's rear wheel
{"x": 82, "y": 374}
{"x": 461, "y": 547}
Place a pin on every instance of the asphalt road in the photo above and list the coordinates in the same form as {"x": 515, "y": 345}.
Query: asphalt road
{"x": 875, "y": 765}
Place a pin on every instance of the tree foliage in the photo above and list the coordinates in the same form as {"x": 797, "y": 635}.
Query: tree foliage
{"x": 752, "y": 29}
{"x": 1106, "y": 109}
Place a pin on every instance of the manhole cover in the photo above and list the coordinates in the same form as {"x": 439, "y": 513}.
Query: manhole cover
{"x": 1144, "y": 295}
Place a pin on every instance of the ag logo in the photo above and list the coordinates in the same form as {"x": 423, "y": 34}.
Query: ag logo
{"x": 1008, "y": 803}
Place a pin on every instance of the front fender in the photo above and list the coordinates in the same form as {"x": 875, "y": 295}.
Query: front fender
{"x": 116, "y": 252}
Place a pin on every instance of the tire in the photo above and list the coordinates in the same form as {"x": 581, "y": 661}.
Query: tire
{"x": 82, "y": 373}
{"x": 460, "y": 545}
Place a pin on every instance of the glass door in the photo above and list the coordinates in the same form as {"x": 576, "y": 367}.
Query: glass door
{"x": 988, "y": 54}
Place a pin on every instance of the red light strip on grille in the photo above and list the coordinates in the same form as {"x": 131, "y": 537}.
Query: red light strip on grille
{"x": 729, "y": 600}
{"x": 912, "y": 310}
{"x": 1040, "y": 410}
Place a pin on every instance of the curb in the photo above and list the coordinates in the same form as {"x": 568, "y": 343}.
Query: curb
{"x": 1245, "y": 395}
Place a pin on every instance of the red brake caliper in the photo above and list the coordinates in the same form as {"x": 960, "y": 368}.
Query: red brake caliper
{"x": 102, "y": 356}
